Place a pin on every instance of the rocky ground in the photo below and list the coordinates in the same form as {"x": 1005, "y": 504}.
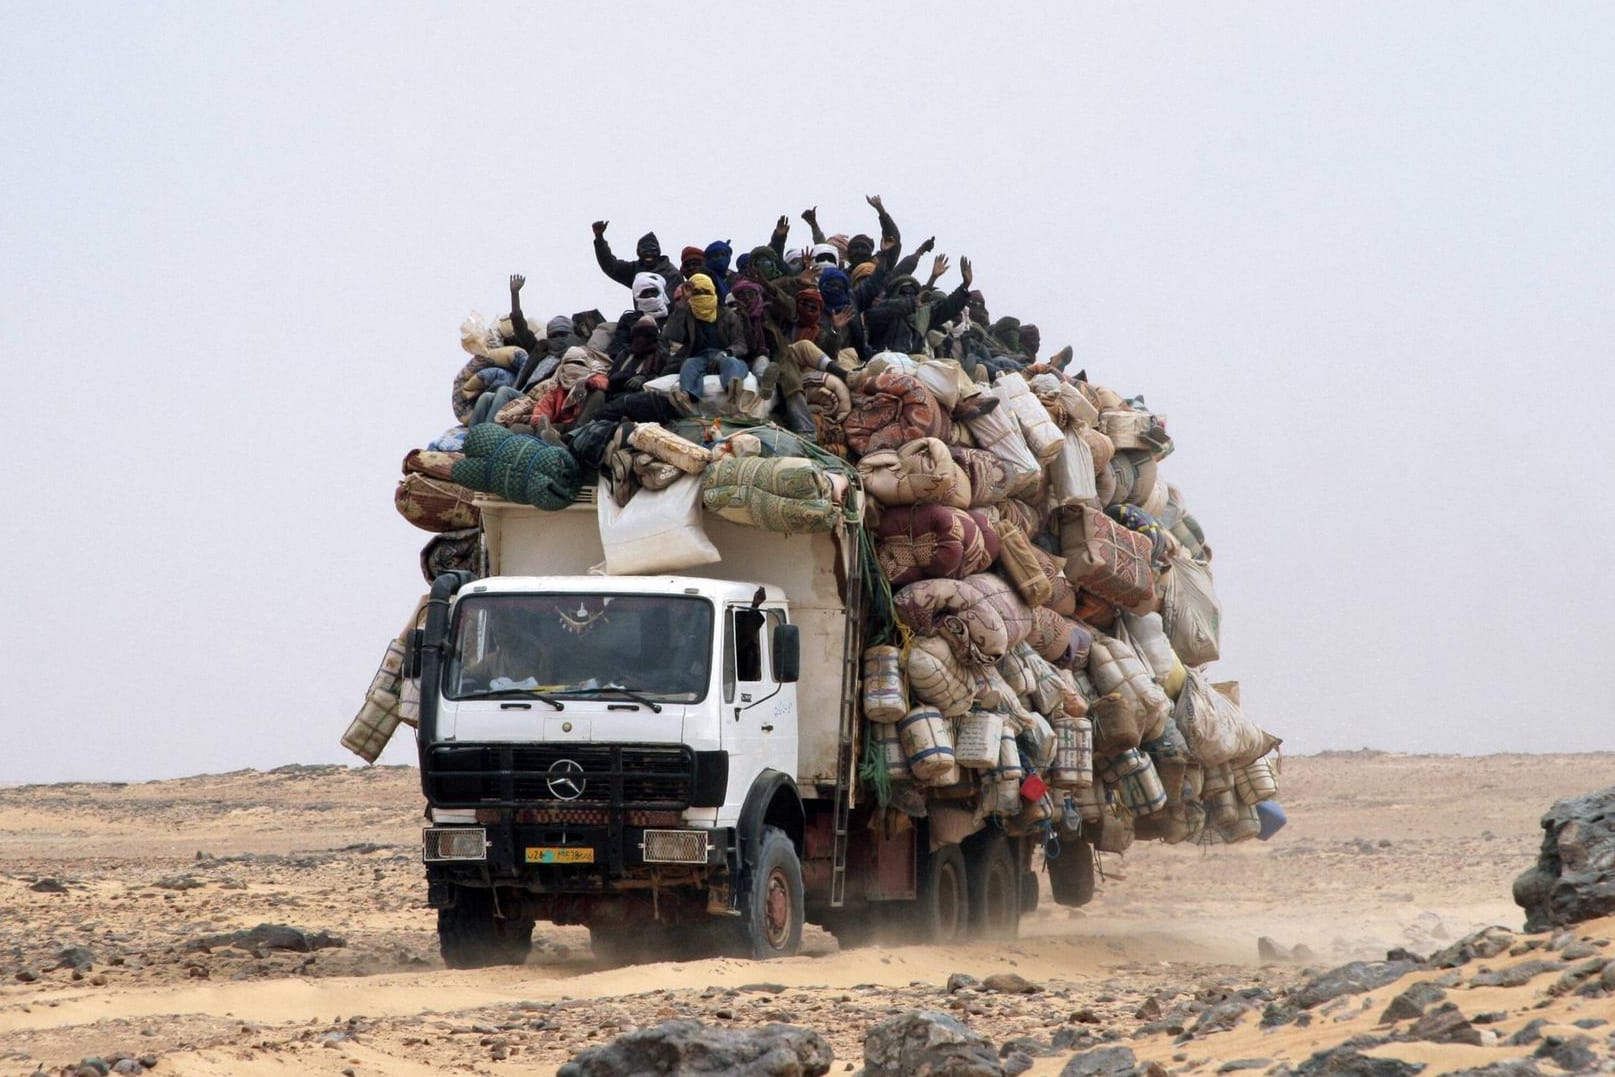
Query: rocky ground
{"x": 272, "y": 923}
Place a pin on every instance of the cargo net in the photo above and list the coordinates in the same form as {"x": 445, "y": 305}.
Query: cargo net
{"x": 1041, "y": 615}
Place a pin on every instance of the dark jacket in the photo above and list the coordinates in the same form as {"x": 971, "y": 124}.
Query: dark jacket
{"x": 897, "y": 324}
{"x": 682, "y": 332}
{"x": 623, "y": 272}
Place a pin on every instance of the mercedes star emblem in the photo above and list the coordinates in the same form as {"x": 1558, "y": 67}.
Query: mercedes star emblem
{"x": 566, "y": 779}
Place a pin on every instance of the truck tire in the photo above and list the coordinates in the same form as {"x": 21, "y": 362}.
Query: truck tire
{"x": 942, "y": 911}
{"x": 1071, "y": 874}
{"x": 772, "y": 912}
{"x": 995, "y": 886}
{"x": 470, "y": 936}
{"x": 1029, "y": 893}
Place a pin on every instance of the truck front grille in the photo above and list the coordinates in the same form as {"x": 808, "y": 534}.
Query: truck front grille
{"x": 675, "y": 847}
{"x": 570, "y": 777}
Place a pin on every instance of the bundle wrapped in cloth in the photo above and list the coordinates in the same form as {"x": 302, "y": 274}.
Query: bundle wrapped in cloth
{"x": 918, "y": 542}
{"x": 518, "y": 467}
{"x": 1107, "y": 559}
{"x": 891, "y": 409}
{"x": 920, "y": 472}
{"x": 784, "y": 494}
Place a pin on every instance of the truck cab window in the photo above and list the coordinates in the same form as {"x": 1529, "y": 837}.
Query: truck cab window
{"x": 743, "y": 650}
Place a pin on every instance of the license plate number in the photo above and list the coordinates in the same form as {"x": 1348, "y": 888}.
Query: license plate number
{"x": 549, "y": 854}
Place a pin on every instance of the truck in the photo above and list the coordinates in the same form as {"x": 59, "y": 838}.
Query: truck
{"x": 672, "y": 761}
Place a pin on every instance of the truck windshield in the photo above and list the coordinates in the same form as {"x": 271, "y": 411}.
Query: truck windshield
{"x": 656, "y": 646}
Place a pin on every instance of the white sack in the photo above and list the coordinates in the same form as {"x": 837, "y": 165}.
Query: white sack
{"x": 657, "y": 531}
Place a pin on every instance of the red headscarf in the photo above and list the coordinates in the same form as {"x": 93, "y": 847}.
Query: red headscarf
{"x": 809, "y": 305}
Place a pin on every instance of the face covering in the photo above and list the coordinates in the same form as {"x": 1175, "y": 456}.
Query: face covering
{"x": 836, "y": 287}
{"x": 809, "y": 304}
{"x": 718, "y": 255}
{"x": 650, "y": 294}
{"x": 642, "y": 339}
{"x": 825, "y": 255}
{"x": 765, "y": 263}
{"x": 703, "y": 297}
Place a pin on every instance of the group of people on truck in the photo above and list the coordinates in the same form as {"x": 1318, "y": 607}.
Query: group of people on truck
{"x": 785, "y": 318}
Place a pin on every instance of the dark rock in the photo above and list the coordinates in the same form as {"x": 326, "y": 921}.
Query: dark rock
{"x": 1346, "y": 1062}
{"x": 27, "y": 976}
{"x": 48, "y": 886}
{"x": 1412, "y": 1003}
{"x": 1513, "y": 1067}
{"x": 961, "y": 981}
{"x": 1445, "y": 1024}
{"x": 1365, "y": 1040}
{"x": 1350, "y": 979}
{"x": 1027, "y": 1046}
{"x": 1102, "y": 1062}
{"x": 1221, "y": 1016}
{"x": 97, "y": 1064}
{"x": 1531, "y": 1033}
{"x": 1148, "y": 1010}
{"x": 269, "y": 937}
{"x": 1578, "y": 950}
{"x": 1515, "y": 975}
{"x": 1487, "y": 942}
{"x": 1008, "y": 983}
{"x": 1275, "y": 1014}
{"x": 179, "y": 882}
{"x": 688, "y": 1047}
{"x": 1244, "y": 1064}
{"x": 762, "y": 988}
{"x": 1572, "y": 1054}
{"x": 1590, "y": 1022}
{"x": 1067, "y": 1038}
{"x": 1401, "y": 953}
{"x": 1017, "y": 1062}
{"x": 1574, "y": 876}
{"x": 1490, "y": 1017}
{"x": 1086, "y": 1016}
{"x": 926, "y": 1042}
{"x": 77, "y": 958}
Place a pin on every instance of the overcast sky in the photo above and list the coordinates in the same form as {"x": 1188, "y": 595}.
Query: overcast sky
{"x": 1359, "y": 255}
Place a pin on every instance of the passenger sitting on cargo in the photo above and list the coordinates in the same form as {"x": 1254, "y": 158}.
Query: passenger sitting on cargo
{"x": 570, "y": 397}
{"x": 900, "y": 321}
{"x": 650, "y": 300}
{"x": 718, "y": 255}
{"x": 643, "y": 358}
{"x": 649, "y": 259}
{"x": 765, "y": 339}
{"x": 692, "y": 260}
{"x": 802, "y": 356}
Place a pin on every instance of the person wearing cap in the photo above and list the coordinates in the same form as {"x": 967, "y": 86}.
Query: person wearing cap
{"x": 648, "y": 259}
{"x": 900, "y": 322}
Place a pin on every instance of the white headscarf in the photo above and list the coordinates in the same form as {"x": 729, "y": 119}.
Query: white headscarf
{"x": 650, "y": 294}
{"x": 825, "y": 254}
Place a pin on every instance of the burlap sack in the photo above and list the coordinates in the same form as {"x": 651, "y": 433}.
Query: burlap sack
{"x": 668, "y": 447}
{"x": 433, "y": 504}
{"x": 1019, "y": 564}
{"x": 989, "y": 477}
{"x": 936, "y": 677}
{"x": 916, "y": 542}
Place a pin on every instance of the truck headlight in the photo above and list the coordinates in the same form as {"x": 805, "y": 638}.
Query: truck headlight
{"x": 455, "y": 843}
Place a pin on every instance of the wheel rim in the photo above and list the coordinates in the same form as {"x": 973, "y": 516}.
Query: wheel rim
{"x": 777, "y": 910}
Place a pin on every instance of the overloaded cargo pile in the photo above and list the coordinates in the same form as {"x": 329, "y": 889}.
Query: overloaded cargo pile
{"x": 1044, "y": 615}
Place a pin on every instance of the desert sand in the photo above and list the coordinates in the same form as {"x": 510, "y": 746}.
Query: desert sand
{"x": 116, "y": 895}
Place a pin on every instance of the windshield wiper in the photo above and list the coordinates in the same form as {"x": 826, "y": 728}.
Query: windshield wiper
{"x": 626, "y": 693}
{"x": 515, "y": 693}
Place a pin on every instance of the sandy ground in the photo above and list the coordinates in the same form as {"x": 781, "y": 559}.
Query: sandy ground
{"x": 1382, "y": 851}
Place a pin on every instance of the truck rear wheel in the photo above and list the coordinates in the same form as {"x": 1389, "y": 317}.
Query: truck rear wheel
{"x": 1071, "y": 874}
{"x": 942, "y": 911}
{"x": 772, "y": 914}
{"x": 470, "y": 936}
{"x": 995, "y": 886}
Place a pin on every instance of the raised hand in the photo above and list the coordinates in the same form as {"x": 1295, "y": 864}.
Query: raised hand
{"x": 928, "y": 246}
{"x": 783, "y": 225}
{"x": 874, "y": 200}
{"x": 811, "y": 214}
{"x": 516, "y": 282}
{"x": 843, "y": 317}
{"x": 964, "y": 271}
{"x": 599, "y": 228}
{"x": 939, "y": 266}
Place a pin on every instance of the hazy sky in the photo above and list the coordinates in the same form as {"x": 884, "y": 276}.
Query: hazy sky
{"x": 1359, "y": 255}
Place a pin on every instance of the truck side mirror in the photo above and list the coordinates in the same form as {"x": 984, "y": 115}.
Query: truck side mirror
{"x": 786, "y": 658}
{"x": 412, "y": 654}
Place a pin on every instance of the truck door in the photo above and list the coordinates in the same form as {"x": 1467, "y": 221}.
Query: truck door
{"x": 759, "y": 713}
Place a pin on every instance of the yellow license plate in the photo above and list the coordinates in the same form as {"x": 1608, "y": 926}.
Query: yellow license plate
{"x": 549, "y": 854}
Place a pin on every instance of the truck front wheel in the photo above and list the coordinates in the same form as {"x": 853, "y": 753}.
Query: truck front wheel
{"x": 995, "y": 886}
{"x": 470, "y": 936}
{"x": 771, "y": 917}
